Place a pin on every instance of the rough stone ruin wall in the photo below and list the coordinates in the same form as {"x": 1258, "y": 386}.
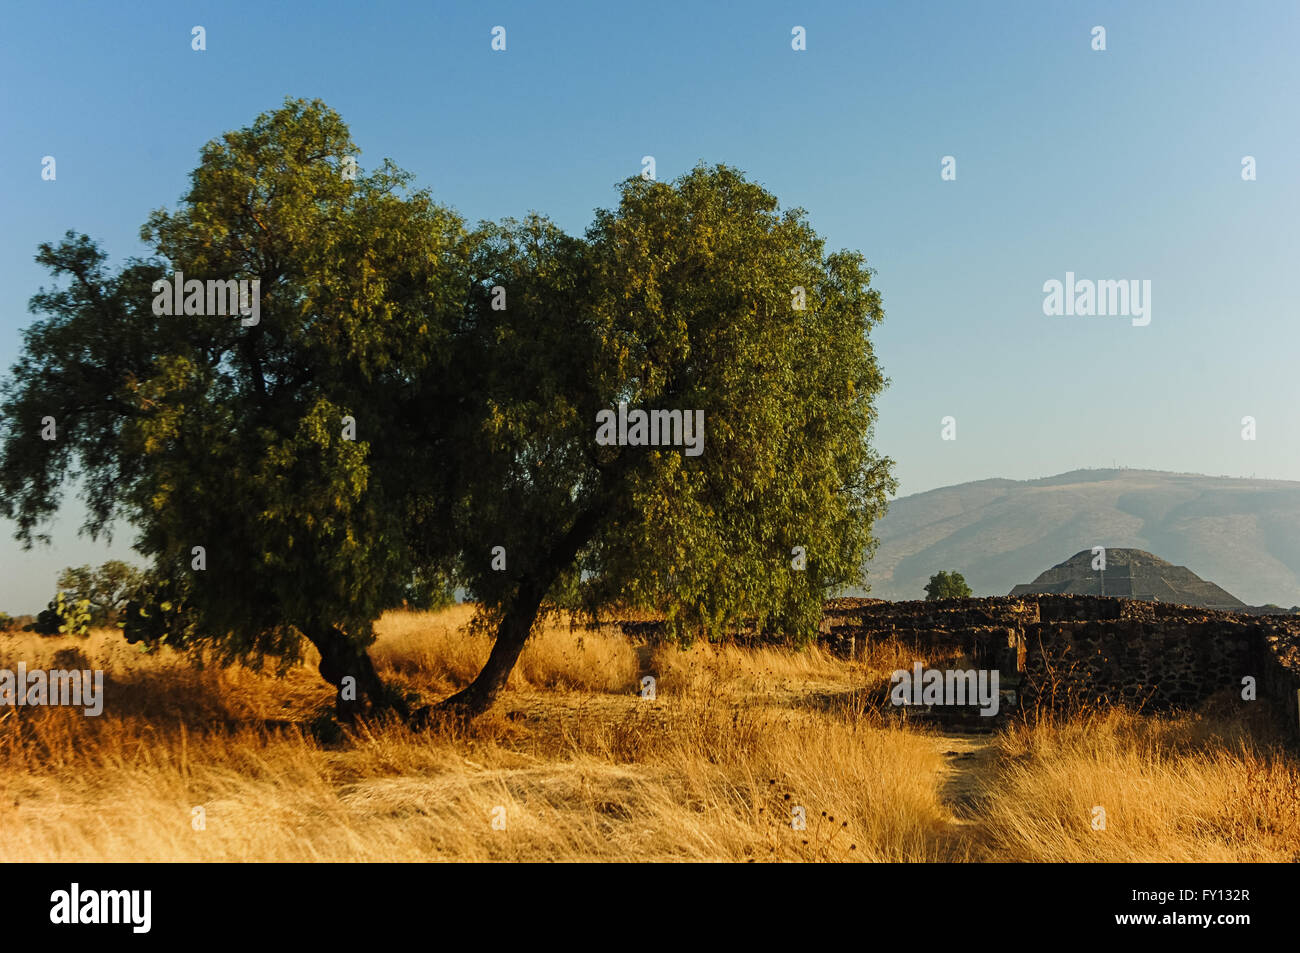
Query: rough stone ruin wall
{"x": 1059, "y": 650}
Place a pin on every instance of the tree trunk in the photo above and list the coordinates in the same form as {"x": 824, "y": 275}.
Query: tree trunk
{"x": 341, "y": 658}
{"x": 517, "y": 623}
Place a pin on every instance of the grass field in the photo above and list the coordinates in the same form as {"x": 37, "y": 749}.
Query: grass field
{"x": 575, "y": 765}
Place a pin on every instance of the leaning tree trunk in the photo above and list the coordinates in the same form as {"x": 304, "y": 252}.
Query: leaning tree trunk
{"x": 517, "y": 623}
{"x": 341, "y": 659}
{"x": 512, "y": 632}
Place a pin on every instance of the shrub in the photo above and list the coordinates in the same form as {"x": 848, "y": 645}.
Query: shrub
{"x": 63, "y": 616}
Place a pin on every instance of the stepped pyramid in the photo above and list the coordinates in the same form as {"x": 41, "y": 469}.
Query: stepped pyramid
{"x": 1131, "y": 574}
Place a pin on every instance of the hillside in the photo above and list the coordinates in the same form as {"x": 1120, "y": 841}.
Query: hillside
{"x": 1242, "y": 534}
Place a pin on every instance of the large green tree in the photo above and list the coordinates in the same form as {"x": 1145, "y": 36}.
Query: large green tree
{"x": 268, "y": 514}
{"x": 471, "y": 367}
{"x": 696, "y": 295}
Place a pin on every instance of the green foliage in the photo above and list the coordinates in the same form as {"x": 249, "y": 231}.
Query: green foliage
{"x": 695, "y": 282}
{"x": 944, "y": 585}
{"x": 428, "y": 593}
{"x": 202, "y": 432}
{"x": 106, "y": 589}
{"x": 475, "y": 425}
{"x": 63, "y": 616}
{"x": 681, "y": 298}
{"x": 6, "y": 622}
{"x": 156, "y": 614}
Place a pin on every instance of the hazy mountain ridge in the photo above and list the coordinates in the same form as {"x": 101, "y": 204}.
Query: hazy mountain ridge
{"x": 1242, "y": 534}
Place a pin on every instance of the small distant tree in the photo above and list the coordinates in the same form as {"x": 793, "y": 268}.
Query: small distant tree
{"x": 947, "y": 585}
{"x": 6, "y": 622}
{"x": 106, "y": 589}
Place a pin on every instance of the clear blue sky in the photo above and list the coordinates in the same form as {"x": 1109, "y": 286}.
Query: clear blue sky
{"x": 1117, "y": 164}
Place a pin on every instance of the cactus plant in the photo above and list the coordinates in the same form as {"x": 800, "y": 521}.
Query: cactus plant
{"x": 63, "y": 616}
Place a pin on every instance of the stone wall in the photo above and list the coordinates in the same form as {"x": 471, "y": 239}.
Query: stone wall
{"x": 1134, "y": 662}
{"x": 1061, "y": 650}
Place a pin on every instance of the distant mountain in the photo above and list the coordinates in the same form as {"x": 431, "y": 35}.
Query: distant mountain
{"x": 1242, "y": 534}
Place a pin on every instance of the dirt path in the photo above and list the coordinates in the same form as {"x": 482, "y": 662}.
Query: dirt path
{"x": 968, "y": 759}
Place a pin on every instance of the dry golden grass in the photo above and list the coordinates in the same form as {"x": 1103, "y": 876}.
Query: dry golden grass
{"x": 435, "y": 648}
{"x": 580, "y": 767}
{"x": 1191, "y": 788}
